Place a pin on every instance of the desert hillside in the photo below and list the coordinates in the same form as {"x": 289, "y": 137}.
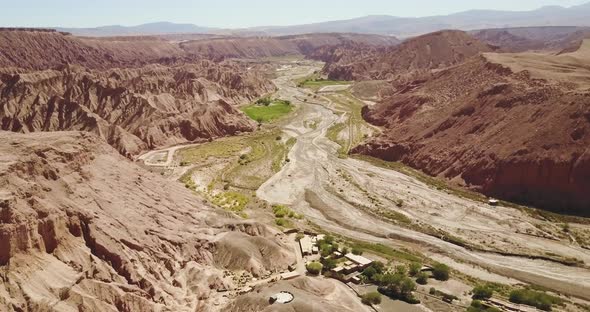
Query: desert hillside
{"x": 523, "y": 39}
{"x": 135, "y": 107}
{"x": 424, "y": 53}
{"x": 132, "y": 109}
{"x": 260, "y": 47}
{"x": 68, "y": 242}
{"x": 513, "y": 126}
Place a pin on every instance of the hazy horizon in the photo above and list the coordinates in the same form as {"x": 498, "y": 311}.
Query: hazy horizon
{"x": 235, "y": 13}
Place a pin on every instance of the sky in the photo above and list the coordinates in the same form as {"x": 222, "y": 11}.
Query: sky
{"x": 235, "y": 13}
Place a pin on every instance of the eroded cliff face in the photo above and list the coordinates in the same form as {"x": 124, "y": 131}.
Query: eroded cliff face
{"x": 132, "y": 109}
{"x": 424, "y": 53}
{"x": 82, "y": 228}
{"x": 496, "y": 130}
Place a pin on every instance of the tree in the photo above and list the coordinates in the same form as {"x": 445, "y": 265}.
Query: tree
{"x": 481, "y": 292}
{"x": 407, "y": 287}
{"x": 441, "y": 272}
{"x": 369, "y": 272}
{"x": 328, "y": 239}
{"x": 391, "y": 280}
{"x": 345, "y": 250}
{"x": 378, "y": 266}
{"x": 325, "y": 249}
{"x": 371, "y": 298}
{"x": 401, "y": 270}
{"x": 422, "y": 278}
{"x": 534, "y": 298}
{"x": 414, "y": 268}
{"x": 329, "y": 264}
{"x": 356, "y": 251}
{"x": 314, "y": 268}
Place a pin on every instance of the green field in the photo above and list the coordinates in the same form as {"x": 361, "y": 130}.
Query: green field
{"x": 317, "y": 83}
{"x": 274, "y": 111}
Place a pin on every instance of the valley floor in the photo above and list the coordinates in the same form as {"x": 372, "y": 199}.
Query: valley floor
{"x": 361, "y": 200}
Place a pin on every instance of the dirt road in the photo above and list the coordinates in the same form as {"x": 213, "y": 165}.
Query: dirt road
{"x": 346, "y": 196}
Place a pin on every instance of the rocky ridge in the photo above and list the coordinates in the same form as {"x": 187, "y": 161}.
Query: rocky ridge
{"x": 132, "y": 109}
{"x": 513, "y": 132}
{"x": 68, "y": 240}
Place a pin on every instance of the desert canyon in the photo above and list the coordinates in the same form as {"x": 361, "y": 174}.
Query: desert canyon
{"x": 199, "y": 169}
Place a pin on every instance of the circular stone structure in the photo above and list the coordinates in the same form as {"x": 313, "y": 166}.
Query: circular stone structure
{"x": 283, "y": 297}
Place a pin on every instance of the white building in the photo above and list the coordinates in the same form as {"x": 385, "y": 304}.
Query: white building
{"x": 306, "y": 245}
{"x": 361, "y": 261}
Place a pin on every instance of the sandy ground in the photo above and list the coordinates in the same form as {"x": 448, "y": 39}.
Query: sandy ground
{"x": 339, "y": 189}
{"x": 334, "y": 88}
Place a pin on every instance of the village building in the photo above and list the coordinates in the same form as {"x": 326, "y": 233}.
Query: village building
{"x": 290, "y": 275}
{"x": 306, "y": 245}
{"x": 360, "y": 261}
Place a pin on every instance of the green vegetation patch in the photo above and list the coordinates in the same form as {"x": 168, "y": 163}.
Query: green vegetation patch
{"x": 534, "y": 298}
{"x": 371, "y": 298}
{"x": 478, "y": 306}
{"x": 314, "y": 268}
{"x": 231, "y": 201}
{"x": 223, "y": 148}
{"x": 386, "y": 251}
{"x": 317, "y": 83}
{"x": 266, "y": 110}
{"x": 284, "y": 214}
{"x": 281, "y": 211}
{"x": 333, "y": 133}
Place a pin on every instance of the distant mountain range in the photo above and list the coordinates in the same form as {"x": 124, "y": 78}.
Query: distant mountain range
{"x": 159, "y": 28}
{"x": 374, "y": 24}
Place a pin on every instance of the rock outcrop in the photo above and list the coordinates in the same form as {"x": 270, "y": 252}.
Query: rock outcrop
{"x": 420, "y": 54}
{"x": 132, "y": 109}
{"x": 544, "y": 38}
{"x": 136, "y": 93}
{"x": 260, "y": 47}
{"x": 82, "y": 228}
{"x": 511, "y": 126}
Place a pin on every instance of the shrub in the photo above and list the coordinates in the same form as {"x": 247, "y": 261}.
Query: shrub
{"x": 414, "y": 268}
{"x": 481, "y": 292}
{"x": 280, "y": 211}
{"x": 281, "y": 222}
{"x": 477, "y": 306}
{"x": 369, "y": 272}
{"x": 371, "y": 298}
{"x": 441, "y": 272}
{"x": 329, "y": 264}
{"x": 264, "y": 101}
{"x": 401, "y": 270}
{"x": 356, "y": 251}
{"x": 422, "y": 278}
{"x": 325, "y": 249}
{"x": 314, "y": 268}
{"x": 328, "y": 239}
{"x": 299, "y": 236}
{"x": 432, "y": 291}
{"x": 533, "y": 298}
